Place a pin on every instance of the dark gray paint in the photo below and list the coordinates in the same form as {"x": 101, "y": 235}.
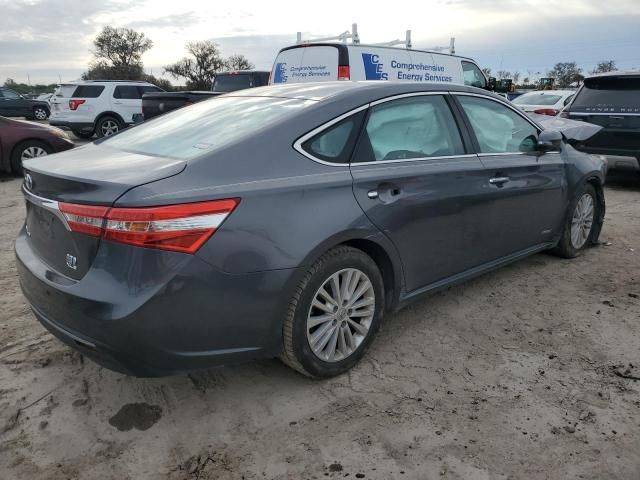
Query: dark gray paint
{"x": 151, "y": 312}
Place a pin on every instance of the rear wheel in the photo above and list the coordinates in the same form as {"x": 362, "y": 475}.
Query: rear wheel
{"x": 579, "y": 232}
{"x": 82, "y": 134}
{"x": 25, "y": 151}
{"x": 108, "y": 126}
{"x": 334, "y": 314}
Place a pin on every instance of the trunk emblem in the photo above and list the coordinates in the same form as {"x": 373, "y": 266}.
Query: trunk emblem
{"x": 72, "y": 262}
{"x": 28, "y": 181}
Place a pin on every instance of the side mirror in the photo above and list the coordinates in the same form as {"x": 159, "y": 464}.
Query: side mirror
{"x": 549, "y": 140}
{"x": 492, "y": 83}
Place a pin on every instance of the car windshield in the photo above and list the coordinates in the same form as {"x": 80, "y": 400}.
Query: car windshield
{"x": 610, "y": 92}
{"x": 537, "y": 99}
{"x": 232, "y": 82}
{"x": 200, "y": 128}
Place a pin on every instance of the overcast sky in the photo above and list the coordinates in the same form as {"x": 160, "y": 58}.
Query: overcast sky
{"x": 51, "y": 39}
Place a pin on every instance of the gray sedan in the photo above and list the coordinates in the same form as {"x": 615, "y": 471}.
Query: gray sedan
{"x": 289, "y": 220}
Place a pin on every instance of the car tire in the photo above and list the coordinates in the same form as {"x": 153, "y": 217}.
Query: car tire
{"x": 26, "y": 150}
{"x": 40, "y": 113}
{"x": 362, "y": 304}
{"x": 579, "y": 230}
{"x": 81, "y": 134}
{"x": 108, "y": 126}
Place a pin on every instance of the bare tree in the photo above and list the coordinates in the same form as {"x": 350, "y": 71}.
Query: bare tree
{"x": 605, "y": 66}
{"x": 238, "y": 62}
{"x": 198, "y": 69}
{"x": 486, "y": 71}
{"x": 503, "y": 74}
{"x": 515, "y": 76}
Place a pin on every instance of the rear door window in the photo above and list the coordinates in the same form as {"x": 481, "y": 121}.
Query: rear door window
{"x": 609, "y": 94}
{"x": 306, "y": 64}
{"x": 88, "y": 91}
{"x": 128, "y": 92}
{"x": 410, "y": 128}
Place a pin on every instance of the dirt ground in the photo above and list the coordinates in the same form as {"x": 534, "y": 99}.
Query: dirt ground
{"x": 531, "y": 372}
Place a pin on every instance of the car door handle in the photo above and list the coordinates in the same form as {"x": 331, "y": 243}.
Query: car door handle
{"x": 372, "y": 194}
{"x": 498, "y": 180}
{"x": 117, "y": 103}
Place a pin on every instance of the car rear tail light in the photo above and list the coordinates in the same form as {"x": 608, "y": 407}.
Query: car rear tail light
{"x": 179, "y": 228}
{"x": 546, "y": 111}
{"x": 74, "y": 104}
{"x": 85, "y": 219}
{"x": 343, "y": 72}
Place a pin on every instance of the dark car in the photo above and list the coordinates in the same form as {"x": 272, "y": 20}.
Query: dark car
{"x": 158, "y": 103}
{"x": 225, "y": 82}
{"x": 21, "y": 141}
{"x": 12, "y": 104}
{"x": 611, "y": 100}
{"x": 287, "y": 220}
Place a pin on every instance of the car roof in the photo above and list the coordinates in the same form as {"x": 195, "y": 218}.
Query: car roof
{"x": 550, "y": 92}
{"x": 320, "y": 91}
{"x": 370, "y": 46}
{"x": 628, "y": 73}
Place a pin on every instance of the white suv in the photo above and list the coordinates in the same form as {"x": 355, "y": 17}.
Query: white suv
{"x": 102, "y": 107}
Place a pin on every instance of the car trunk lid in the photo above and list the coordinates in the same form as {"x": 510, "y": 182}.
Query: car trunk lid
{"x": 92, "y": 175}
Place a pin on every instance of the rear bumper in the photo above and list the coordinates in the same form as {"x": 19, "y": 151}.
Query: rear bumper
{"x": 151, "y": 313}
{"x": 82, "y": 126}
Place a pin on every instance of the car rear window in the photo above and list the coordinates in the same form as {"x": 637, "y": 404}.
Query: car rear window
{"x": 203, "y": 127}
{"x": 232, "y": 82}
{"x": 537, "y": 99}
{"x": 88, "y": 91}
{"x": 609, "y": 92}
{"x": 64, "y": 91}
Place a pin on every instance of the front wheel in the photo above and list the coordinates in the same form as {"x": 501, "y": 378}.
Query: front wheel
{"x": 579, "y": 229}
{"x": 334, "y": 314}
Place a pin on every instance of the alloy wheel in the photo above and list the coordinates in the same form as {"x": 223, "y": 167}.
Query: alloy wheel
{"x": 582, "y": 221}
{"x": 109, "y": 127}
{"x": 341, "y": 314}
{"x": 40, "y": 114}
{"x": 32, "y": 152}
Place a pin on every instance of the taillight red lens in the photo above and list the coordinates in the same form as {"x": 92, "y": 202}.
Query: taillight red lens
{"x": 85, "y": 219}
{"x": 180, "y": 228}
{"x": 343, "y": 72}
{"x": 74, "y": 104}
{"x": 546, "y": 111}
